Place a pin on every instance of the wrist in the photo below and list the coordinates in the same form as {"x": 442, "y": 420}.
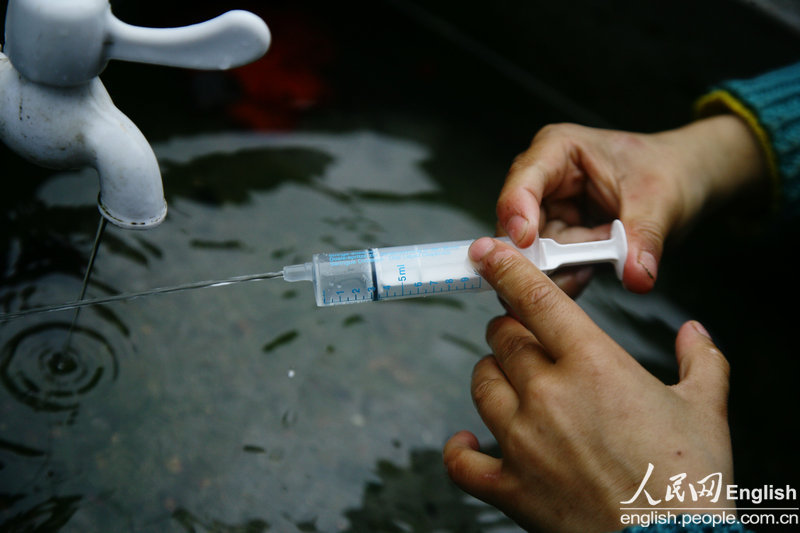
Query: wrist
{"x": 720, "y": 157}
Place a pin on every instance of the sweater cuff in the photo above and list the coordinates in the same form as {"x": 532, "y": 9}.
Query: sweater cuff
{"x": 770, "y": 105}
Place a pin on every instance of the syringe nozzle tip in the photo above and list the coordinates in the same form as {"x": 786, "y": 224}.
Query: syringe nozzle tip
{"x": 301, "y": 272}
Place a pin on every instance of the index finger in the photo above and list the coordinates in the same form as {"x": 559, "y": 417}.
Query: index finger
{"x": 552, "y": 316}
{"x": 534, "y": 175}
{"x": 518, "y": 209}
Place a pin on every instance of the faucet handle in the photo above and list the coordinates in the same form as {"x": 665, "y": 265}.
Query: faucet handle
{"x": 230, "y": 40}
{"x": 69, "y": 43}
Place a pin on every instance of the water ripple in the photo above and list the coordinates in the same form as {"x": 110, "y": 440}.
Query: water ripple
{"x": 35, "y": 370}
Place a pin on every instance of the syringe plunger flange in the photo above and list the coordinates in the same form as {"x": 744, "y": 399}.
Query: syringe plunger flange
{"x": 549, "y": 255}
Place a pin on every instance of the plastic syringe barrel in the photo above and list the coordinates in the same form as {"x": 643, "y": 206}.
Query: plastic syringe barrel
{"x": 394, "y": 272}
{"x": 376, "y": 274}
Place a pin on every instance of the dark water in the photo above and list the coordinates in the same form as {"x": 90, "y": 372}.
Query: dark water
{"x": 246, "y": 408}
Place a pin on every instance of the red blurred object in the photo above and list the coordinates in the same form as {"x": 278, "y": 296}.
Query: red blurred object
{"x": 290, "y": 78}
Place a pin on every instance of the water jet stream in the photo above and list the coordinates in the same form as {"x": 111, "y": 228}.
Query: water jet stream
{"x": 101, "y": 226}
{"x": 133, "y": 295}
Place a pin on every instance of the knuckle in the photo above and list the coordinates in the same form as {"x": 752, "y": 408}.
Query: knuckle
{"x": 549, "y": 133}
{"x": 559, "y": 129}
{"x": 514, "y": 348}
{"x": 495, "y": 329}
{"x": 520, "y": 163}
{"x": 509, "y": 201}
{"x": 543, "y": 394}
{"x": 514, "y": 345}
{"x": 536, "y": 297}
{"x": 650, "y": 228}
{"x": 653, "y": 229}
{"x": 501, "y": 267}
{"x": 482, "y": 366}
{"x": 485, "y": 393}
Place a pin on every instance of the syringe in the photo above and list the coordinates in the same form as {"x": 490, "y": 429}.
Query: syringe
{"x": 376, "y": 274}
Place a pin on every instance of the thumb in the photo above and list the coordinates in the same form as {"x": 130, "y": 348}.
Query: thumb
{"x": 704, "y": 372}
{"x": 645, "y": 245}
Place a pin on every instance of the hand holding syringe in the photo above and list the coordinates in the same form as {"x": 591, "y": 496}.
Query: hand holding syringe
{"x": 376, "y": 274}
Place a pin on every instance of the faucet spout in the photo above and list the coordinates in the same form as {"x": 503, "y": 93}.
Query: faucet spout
{"x": 73, "y": 127}
{"x": 131, "y": 192}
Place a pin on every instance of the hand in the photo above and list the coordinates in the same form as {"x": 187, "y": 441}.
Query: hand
{"x": 577, "y": 419}
{"x": 654, "y": 183}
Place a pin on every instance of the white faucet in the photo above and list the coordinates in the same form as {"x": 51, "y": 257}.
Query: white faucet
{"x": 55, "y": 111}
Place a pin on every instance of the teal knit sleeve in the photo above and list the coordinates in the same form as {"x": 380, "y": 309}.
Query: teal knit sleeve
{"x": 770, "y": 104}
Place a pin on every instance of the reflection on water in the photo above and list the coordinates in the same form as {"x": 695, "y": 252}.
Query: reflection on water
{"x": 50, "y": 515}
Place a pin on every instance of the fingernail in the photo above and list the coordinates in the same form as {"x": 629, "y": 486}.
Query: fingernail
{"x": 517, "y": 227}
{"x": 480, "y": 248}
{"x": 700, "y": 329}
{"x": 648, "y": 262}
